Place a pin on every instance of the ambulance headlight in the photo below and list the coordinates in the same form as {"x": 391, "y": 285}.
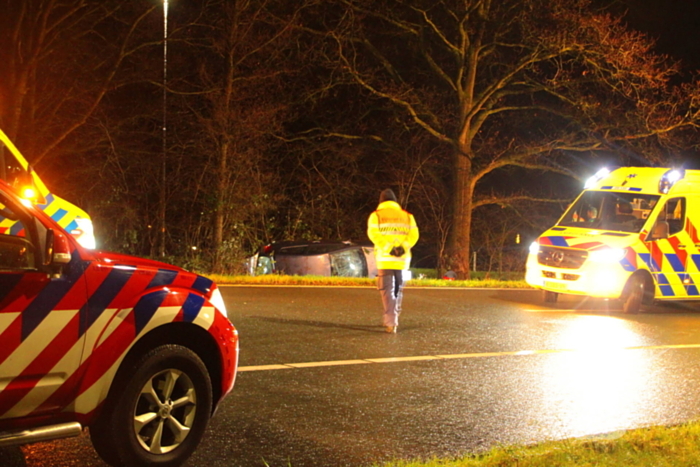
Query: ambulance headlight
{"x": 534, "y": 248}
{"x": 601, "y": 174}
{"x": 607, "y": 255}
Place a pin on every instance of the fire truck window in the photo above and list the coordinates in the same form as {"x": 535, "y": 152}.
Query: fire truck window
{"x": 16, "y": 252}
{"x": 674, "y": 214}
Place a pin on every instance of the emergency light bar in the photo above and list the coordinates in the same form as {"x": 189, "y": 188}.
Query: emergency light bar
{"x": 599, "y": 175}
{"x": 669, "y": 179}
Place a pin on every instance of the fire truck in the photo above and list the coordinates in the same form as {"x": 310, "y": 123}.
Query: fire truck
{"x": 17, "y": 172}
{"x": 630, "y": 235}
{"x": 140, "y": 352}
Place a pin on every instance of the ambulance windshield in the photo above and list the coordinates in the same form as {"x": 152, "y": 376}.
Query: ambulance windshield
{"x": 605, "y": 210}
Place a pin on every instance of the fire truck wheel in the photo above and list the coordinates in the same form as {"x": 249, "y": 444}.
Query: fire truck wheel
{"x": 635, "y": 295}
{"x": 161, "y": 413}
{"x": 549, "y": 297}
{"x": 101, "y": 439}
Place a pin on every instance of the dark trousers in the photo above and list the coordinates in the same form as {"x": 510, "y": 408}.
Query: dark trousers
{"x": 390, "y": 285}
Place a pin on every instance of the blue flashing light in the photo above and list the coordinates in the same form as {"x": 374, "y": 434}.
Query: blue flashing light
{"x": 599, "y": 175}
{"x": 669, "y": 179}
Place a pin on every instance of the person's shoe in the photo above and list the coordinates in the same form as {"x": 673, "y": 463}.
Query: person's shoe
{"x": 391, "y": 329}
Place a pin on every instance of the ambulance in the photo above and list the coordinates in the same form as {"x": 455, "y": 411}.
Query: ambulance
{"x": 17, "y": 172}
{"x": 630, "y": 235}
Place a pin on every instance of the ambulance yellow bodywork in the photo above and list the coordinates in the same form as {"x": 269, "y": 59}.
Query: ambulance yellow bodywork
{"x": 26, "y": 181}
{"x": 630, "y": 235}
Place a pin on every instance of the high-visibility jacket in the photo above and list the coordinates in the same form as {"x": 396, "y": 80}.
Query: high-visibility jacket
{"x": 388, "y": 227}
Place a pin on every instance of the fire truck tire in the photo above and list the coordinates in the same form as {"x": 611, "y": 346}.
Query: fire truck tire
{"x": 160, "y": 413}
{"x": 100, "y": 437}
{"x": 635, "y": 295}
{"x": 549, "y": 297}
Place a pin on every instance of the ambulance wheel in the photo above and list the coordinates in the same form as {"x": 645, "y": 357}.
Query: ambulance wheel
{"x": 635, "y": 295}
{"x": 160, "y": 413}
{"x": 549, "y": 297}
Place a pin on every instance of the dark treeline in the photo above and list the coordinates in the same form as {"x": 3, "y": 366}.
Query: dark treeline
{"x": 274, "y": 120}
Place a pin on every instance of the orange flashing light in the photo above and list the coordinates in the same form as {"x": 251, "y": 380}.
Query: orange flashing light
{"x": 29, "y": 193}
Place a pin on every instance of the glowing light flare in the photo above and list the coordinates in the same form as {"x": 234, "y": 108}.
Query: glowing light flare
{"x": 597, "y": 333}
{"x": 669, "y": 179}
{"x": 85, "y": 233}
{"x": 600, "y": 391}
{"x": 29, "y": 193}
{"x": 607, "y": 255}
{"x": 601, "y": 174}
{"x": 534, "y": 248}
{"x": 604, "y": 385}
{"x": 608, "y": 281}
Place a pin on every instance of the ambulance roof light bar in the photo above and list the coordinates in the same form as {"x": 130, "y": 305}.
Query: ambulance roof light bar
{"x": 599, "y": 175}
{"x": 669, "y": 179}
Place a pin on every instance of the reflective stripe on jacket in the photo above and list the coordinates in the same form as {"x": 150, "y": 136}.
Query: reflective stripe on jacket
{"x": 388, "y": 227}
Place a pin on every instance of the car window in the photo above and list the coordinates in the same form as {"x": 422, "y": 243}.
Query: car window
{"x": 674, "y": 213}
{"x": 292, "y": 250}
{"x": 322, "y": 249}
{"x": 264, "y": 266}
{"x": 16, "y": 251}
{"x": 348, "y": 263}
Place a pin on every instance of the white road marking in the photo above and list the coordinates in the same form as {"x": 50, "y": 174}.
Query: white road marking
{"x": 289, "y": 366}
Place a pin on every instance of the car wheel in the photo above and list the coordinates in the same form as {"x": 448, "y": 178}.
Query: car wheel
{"x": 635, "y": 295}
{"x": 549, "y": 297}
{"x": 160, "y": 413}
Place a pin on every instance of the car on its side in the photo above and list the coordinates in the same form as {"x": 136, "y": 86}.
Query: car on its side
{"x": 139, "y": 351}
{"x": 317, "y": 258}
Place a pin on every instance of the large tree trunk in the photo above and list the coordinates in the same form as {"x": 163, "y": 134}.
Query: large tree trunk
{"x": 458, "y": 249}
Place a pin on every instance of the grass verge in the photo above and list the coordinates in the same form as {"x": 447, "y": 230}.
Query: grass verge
{"x": 674, "y": 446}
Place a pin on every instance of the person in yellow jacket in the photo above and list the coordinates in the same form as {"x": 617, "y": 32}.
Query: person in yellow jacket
{"x": 394, "y": 232}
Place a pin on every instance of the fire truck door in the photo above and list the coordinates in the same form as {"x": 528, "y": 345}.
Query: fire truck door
{"x": 40, "y": 343}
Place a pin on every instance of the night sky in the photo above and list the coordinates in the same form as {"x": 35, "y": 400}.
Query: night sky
{"x": 675, "y": 24}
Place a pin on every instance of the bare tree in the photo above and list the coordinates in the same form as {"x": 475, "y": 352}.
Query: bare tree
{"x": 239, "y": 102}
{"x": 511, "y": 83}
{"x": 58, "y": 65}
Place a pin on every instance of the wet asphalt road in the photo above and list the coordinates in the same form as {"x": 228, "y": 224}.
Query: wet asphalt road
{"x": 470, "y": 369}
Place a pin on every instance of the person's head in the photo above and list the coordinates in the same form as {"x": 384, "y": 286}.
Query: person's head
{"x": 591, "y": 213}
{"x": 387, "y": 195}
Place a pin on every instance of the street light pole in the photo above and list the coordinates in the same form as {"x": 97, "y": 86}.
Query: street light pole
{"x": 165, "y": 130}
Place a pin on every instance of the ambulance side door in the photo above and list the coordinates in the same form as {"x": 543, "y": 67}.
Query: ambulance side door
{"x": 692, "y": 224}
{"x": 40, "y": 345}
{"x": 670, "y": 250}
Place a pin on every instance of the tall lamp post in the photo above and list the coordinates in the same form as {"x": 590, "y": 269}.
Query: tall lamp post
{"x": 165, "y": 131}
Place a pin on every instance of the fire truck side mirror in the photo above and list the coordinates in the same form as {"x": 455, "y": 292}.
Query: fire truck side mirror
{"x": 57, "y": 248}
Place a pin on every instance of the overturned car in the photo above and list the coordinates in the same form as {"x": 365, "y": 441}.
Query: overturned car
{"x": 316, "y": 258}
